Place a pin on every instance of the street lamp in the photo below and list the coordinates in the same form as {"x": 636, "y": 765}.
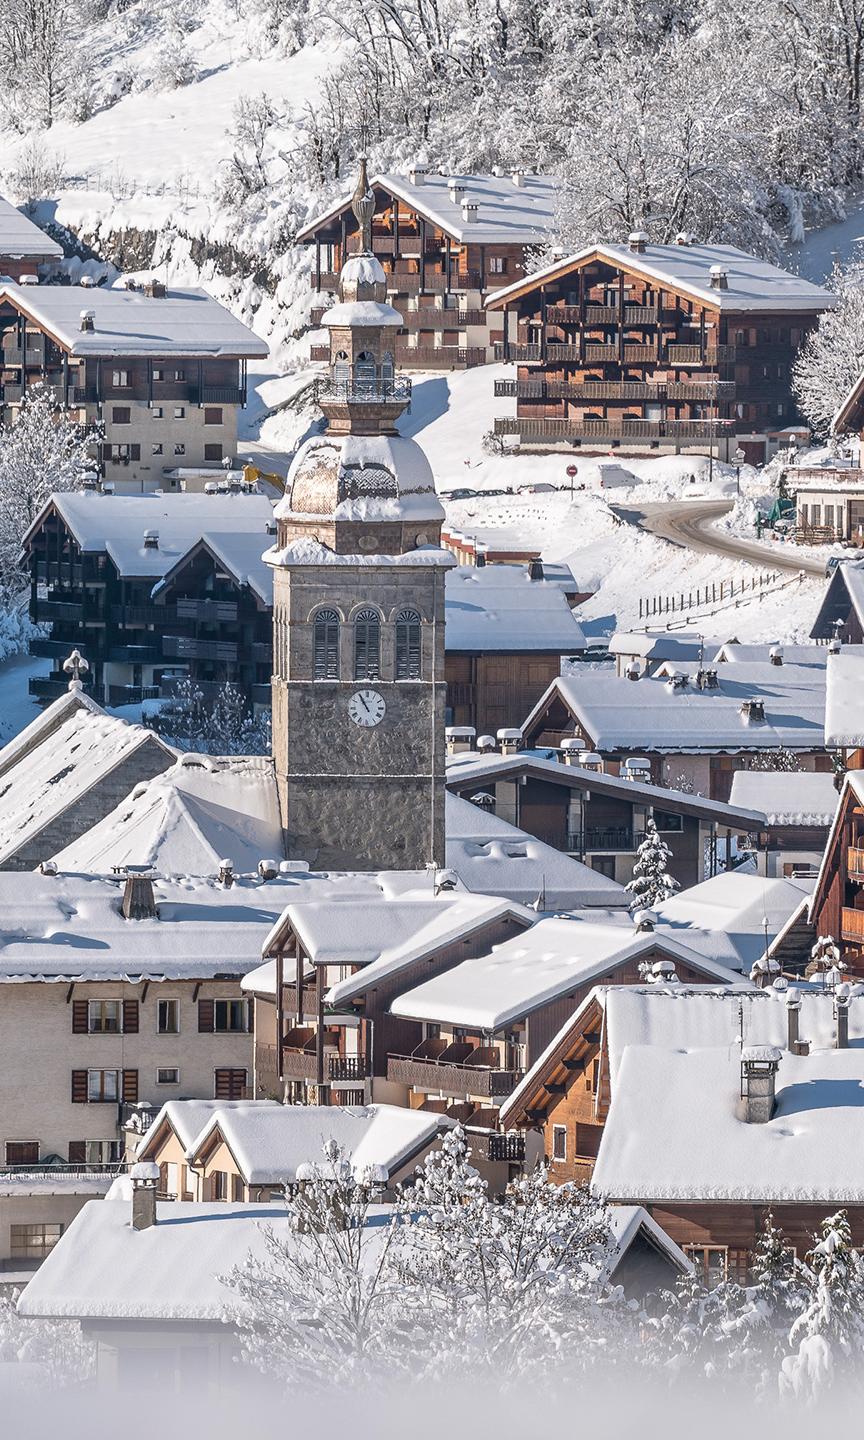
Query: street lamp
{"x": 738, "y": 460}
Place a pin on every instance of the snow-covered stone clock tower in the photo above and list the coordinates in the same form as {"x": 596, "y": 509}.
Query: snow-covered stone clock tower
{"x": 358, "y": 634}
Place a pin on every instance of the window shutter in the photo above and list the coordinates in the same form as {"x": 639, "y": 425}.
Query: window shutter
{"x": 205, "y": 1015}
{"x": 77, "y": 1152}
{"x": 130, "y": 1017}
{"x": 79, "y": 1017}
{"x": 79, "y": 1087}
{"x": 130, "y": 1087}
{"x": 230, "y": 1084}
{"x": 135, "y": 452}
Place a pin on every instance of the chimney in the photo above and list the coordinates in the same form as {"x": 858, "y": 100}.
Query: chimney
{"x": 759, "y": 1065}
{"x": 48, "y": 867}
{"x": 677, "y": 681}
{"x": 87, "y": 282}
{"x": 470, "y": 211}
{"x": 753, "y": 711}
{"x": 139, "y": 898}
{"x": 636, "y": 241}
{"x": 636, "y": 767}
{"x": 459, "y": 738}
{"x": 88, "y": 320}
{"x": 633, "y": 672}
{"x": 775, "y": 654}
{"x": 480, "y": 556}
{"x": 226, "y": 873}
{"x": 268, "y": 869}
{"x": 719, "y": 277}
{"x": 707, "y": 680}
{"x": 841, "y": 1016}
{"x": 834, "y": 646}
{"x": 151, "y": 539}
{"x": 683, "y": 238}
{"x": 643, "y": 922}
{"x": 29, "y": 280}
{"x": 509, "y": 740}
{"x": 571, "y": 750}
{"x": 456, "y": 190}
{"x": 518, "y": 178}
{"x": 535, "y": 569}
{"x": 793, "y": 1019}
{"x": 145, "y": 1179}
{"x": 486, "y": 743}
{"x": 417, "y": 174}
{"x": 155, "y": 289}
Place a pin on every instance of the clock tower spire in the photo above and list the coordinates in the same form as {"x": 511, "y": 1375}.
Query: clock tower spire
{"x": 358, "y": 575}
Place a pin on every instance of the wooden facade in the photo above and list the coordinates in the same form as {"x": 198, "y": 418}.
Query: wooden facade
{"x": 608, "y": 356}
{"x": 837, "y": 907}
{"x": 492, "y": 692}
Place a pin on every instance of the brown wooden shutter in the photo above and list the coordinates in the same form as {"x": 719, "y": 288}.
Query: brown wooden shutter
{"x": 77, "y": 1152}
{"x": 130, "y": 1017}
{"x": 230, "y": 1084}
{"x": 79, "y": 1087}
{"x": 130, "y": 1087}
{"x": 205, "y": 1015}
{"x": 79, "y": 1017}
{"x": 135, "y": 452}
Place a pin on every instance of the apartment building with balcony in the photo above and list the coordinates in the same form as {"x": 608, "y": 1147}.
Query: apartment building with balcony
{"x": 642, "y": 348}
{"x": 444, "y": 242}
{"x": 152, "y": 588}
{"x": 162, "y": 371}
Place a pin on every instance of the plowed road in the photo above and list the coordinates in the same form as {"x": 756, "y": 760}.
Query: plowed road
{"x": 687, "y": 524}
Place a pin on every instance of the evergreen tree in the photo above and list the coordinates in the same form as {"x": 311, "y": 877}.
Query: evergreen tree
{"x": 223, "y": 726}
{"x": 651, "y": 881}
{"x": 829, "y": 1333}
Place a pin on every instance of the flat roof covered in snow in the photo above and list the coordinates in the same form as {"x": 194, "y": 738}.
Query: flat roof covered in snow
{"x": 21, "y": 239}
{"x": 130, "y": 322}
{"x": 499, "y": 608}
{"x": 803, "y": 798}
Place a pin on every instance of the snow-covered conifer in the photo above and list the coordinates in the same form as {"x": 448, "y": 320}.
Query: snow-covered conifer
{"x": 829, "y": 1333}
{"x": 832, "y": 357}
{"x": 651, "y": 881}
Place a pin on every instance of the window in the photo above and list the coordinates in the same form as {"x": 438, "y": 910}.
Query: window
{"x": 212, "y": 452}
{"x": 218, "y": 1185}
{"x": 364, "y": 368}
{"x": 103, "y": 1017}
{"x": 103, "y": 1085}
{"x": 710, "y": 1261}
{"x": 179, "y": 412}
{"x": 212, "y": 416}
{"x": 179, "y": 449}
{"x": 121, "y": 414}
{"x": 168, "y": 1075}
{"x": 157, "y": 412}
{"x": 156, "y": 449}
{"x": 408, "y": 645}
{"x": 158, "y": 372}
{"x": 498, "y": 265}
{"x": 34, "y": 1242}
{"x": 559, "y": 1142}
{"x": 22, "y": 1152}
{"x": 367, "y": 645}
{"x": 229, "y": 1084}
{"x": 179, "y": 374}
{"x": 668, "y": 823}
{"x": 95, "y": 1152}
{"x": 326, "y": 645}
{"x": 230, "y": 1015}
{"x": 120, "y": 379}
{"x": 236, "y": 1187}
{"x": 168, "y": 1017}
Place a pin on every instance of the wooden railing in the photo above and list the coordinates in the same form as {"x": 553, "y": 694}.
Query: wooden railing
{"x": 855, "y": 862}
{"x": 675, "y": 430}
{"x": 451, "y": 1078}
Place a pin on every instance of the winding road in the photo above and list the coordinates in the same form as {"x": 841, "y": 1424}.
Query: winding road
{"x": 686, "y": 523}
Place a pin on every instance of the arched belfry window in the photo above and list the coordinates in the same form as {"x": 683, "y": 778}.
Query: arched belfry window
{"x": 408, "y": 645}
{"x": 341, "y": 368}
{"x": 326, "y": 645}
{"x": 367, "y": 645}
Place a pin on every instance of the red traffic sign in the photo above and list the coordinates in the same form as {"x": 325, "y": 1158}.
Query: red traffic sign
{"x": 572, "y": 470}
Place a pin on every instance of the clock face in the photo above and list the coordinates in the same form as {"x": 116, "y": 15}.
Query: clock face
{"x": 366, "y": 708}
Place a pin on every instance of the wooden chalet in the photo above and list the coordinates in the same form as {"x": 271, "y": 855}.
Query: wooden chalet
{"x": 25, "y": 249}
{"x": 707, "y": 1139}
{"x": 683, "y": 348}
{"x": 837, "y": 905}
{"x": 445, "y": 242}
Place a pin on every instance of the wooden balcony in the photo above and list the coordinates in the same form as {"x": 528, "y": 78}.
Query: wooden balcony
{"x": 594, "y": 314}
{"x": 435, "y": 317}
{"x": 186, "y": 647}
{"x": 563, "y": 352}
{"x": 207, "y": 610}
{"x": 693, "y": 354}
{"x": 451, "y": 1072}
{"x": 636, "y": 429}
{"x": 521, "y": 354}
{"x": 852, "y": 925}
{"x": 444, "y": 357}
{"x": 855, "y": 863}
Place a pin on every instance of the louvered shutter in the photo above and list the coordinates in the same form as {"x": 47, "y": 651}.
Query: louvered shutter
{"x": 130, "y": 1087}
{"x": 79, "y": 1017}
{"x": 79, "y": 1087}
{"x": 205, "y": 1016}
{"x": 77, "y": 1152}
{"x": 130, "y": 1017}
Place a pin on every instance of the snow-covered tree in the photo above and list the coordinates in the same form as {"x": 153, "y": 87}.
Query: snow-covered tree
{"x": 41, "y": 453}
{"x": 829, "y": 1333}
{"x": 221, "y": 726}
{"x": 832, "y": 357}
{"x": 779, "y": 759}
{"x": 63, "y": 1354}
{"x": 651, "y": 881}
{"x": 825, "y": 961}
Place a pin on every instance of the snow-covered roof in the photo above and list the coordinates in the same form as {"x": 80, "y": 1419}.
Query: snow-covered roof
{"x": 188, "y": 1118}
{"x": 752, "y": 283}
{"x": 506, "y": 213}
{"x": 659, "y": 645}
{"x": 651, "y": 714}
{"x": 360, "y": 477}
{"x": 675, "y": 1129}
{"x": 233, "y": 526}
{"x": 722, "y": 918}
{"x": 469, "y": 767}
{"x": 20, "y": 239}
{"x": 70, "y": 927}
{"x": 844, "y": 700}
{"x": 309, "y": 551}
{"x": 494, "y": 858}
{"x": 499, "y": 608}
{"x": 270, "y": 1144}
{"x": 733, "y": 653}
{"x": 184, "y": 822}
{"x": 362, "y": 313}
{"x": 59, "y": 758}
{"x": 626, "y": 1223}
{"x": 804, "y": 798}
{"x": 130, "y": 322}
{"x": 558, "y": 955}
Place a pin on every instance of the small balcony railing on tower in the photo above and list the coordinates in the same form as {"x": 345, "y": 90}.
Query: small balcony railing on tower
{"x": 358, "y": 390}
